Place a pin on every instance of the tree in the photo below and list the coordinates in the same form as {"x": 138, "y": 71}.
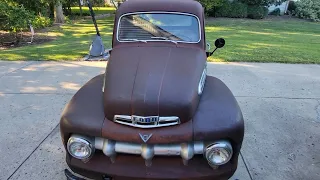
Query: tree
{"x": 36, "y": 6}
{"x": 210, "y": 4}
{"x": 59, "y": 13}
{"x": 263, "y": 2}
{"x": 80, "y": 7}
{"x": 14, "y": 18}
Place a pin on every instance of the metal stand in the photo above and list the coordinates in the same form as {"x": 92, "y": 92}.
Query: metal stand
{"x": 97, "y": 50}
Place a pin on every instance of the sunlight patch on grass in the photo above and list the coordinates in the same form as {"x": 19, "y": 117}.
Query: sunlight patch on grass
{"x": 256, "y": 32}
{"x": 47, "y": 46}
{"x": 213, "y": 59}
{"x": 211, "y": 29}
{"x": 304, "y": 34}
{"x": 11, "y": 56}
{"x": 97, "y": 10}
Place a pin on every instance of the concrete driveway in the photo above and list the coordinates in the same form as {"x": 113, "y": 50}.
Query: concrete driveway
{"x": 280, "y": 103}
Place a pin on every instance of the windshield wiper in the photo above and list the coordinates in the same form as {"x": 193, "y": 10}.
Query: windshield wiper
{"x": 136, "y": 40}
{"x": 164, "y": 38}
{"x": 160, "y": 37}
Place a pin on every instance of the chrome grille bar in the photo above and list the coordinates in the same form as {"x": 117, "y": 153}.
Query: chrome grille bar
{"x": 147, "y": 151}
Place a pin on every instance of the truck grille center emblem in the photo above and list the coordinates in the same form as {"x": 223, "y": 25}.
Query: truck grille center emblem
{"x": 146, "y": 121}
{"x": 145, "y": 137}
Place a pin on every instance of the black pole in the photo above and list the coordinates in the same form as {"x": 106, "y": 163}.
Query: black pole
{"x": 93, "y": 18}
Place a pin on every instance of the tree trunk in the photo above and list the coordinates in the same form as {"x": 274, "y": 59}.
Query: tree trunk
{"x": 59, "y": 13}
{"x": 51, "y": 10}
{"x": 80, "y": 7}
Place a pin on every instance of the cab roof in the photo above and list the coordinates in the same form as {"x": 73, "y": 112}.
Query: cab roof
{"x": 184, "y": 6}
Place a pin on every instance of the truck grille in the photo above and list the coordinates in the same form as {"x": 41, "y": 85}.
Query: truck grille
{"x": 146, "y": 121}
{"x": 186, "y": 150}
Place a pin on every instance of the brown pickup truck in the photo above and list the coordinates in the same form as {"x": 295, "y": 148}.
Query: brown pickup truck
{"x": 154, "y": 113}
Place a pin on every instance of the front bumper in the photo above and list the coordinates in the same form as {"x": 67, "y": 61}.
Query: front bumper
{"x": 133, "y": 167}
{"x": 148, "y": 151}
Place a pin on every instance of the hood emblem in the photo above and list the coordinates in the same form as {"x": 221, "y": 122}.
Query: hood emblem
{"x": 145, "y": 137}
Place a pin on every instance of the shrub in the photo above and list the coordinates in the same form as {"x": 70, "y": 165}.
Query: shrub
{"x": 14, "y": 18}
{"x": 232, "y": 9}
{"x": 210, "y": 5}
{"x": 36, "y": 6}
{"x": 97, "y": 3}
{"x": 308, "y": 9}
{"x": 257, "y": 12}
{"x": 41, "y": 22}
{"x": 262, "y": 2}
{"x": 292, "y": 7}
{"x": 275, "y": 12}
{"x": 84, "y": 13}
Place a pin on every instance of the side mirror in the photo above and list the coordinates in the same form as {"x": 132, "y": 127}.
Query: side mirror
{"x": 219, "y": 43}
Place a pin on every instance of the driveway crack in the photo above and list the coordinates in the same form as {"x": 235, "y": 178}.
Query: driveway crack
{"x": 57, "y": 126}
{"x": 27, "y": 64}
{"x": 245, "y": 164}
{"x": 317, "y": 108}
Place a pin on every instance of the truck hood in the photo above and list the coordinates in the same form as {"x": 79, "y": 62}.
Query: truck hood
{"x": 153, "y": 81}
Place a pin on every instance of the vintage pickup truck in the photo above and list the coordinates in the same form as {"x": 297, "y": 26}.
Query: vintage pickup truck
{"x": 154, "y": 113}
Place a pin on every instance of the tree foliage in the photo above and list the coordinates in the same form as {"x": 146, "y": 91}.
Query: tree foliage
{"x": 257, "y": 12}
{"x": 233, "y": 9}
{"x": 308, "y": 9}
{"x": 262, "y": 2}
{"x": 210, "y": 4}
{"x": 14, "y": 17}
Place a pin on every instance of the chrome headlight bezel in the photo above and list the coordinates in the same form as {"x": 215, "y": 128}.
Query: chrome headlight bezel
{"x": 218, "y": 146}
{"x": 86, "y": 142}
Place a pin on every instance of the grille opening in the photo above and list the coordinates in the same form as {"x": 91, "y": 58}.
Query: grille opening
{"x": 123, "y": 119}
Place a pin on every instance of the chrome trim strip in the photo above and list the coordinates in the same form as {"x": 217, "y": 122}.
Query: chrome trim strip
{"x": 157, "y": 12}
{"x": 202, "y": 81}
{"x": 148, "y": 151}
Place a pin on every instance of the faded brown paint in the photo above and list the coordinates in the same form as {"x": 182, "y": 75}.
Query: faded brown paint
{"x": 153, "y": 81}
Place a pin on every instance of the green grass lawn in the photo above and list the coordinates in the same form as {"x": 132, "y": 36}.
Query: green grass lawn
{"x": 292, "y": 41}
{"x": 97, "y": 10}
{"x": 270, "y": 40}
{"x": 72, "y": 43}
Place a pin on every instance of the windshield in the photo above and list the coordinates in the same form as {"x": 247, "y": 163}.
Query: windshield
{"x": 159, "y": 27}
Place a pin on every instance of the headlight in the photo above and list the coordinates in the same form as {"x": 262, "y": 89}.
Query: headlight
{"x": 79, "y": 147}
{"x": 219, "y": 153}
